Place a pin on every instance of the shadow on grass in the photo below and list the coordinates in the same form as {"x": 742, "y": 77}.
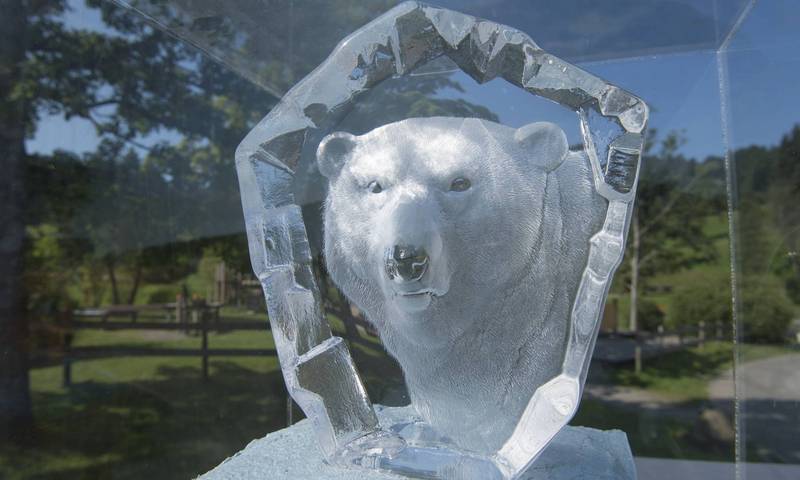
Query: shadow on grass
{"x": 771, "y": 428}
{"x": 177, "y": 426}
{"x": 671, "y": 371}
{"x": 174, "y": 427}
{"x": 656, "y": 432}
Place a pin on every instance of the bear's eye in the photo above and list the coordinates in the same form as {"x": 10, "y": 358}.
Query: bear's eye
{"x": 374, "y": 187}
{"x": 460, "y": 184}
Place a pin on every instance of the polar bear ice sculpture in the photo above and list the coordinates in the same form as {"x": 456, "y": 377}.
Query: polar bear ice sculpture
{"x": 464, "y": 242}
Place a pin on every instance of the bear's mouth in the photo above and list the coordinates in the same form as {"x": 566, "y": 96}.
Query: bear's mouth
{"x": 418, "y": 293}
{"x": 414, "y": 301}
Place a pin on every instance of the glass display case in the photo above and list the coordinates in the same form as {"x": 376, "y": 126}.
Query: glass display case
{"x": 134, "y": 334}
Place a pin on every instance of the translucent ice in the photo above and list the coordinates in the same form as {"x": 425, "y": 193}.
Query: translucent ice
{"x": 482, "y": 253}
{"x": 474, "y": 296}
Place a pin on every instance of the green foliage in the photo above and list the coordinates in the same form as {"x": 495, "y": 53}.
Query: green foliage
{"x": 674, "y": 197}
{"x": 650, "y": 315}
{"x": 764, "y": 314}
{"x": 766, "y": 310}
{"x": 680, "y": 375}
{"x": 138, "y": 206}
{"x": 49, "y": 270}
{"x": 793, "y": 284}
{"x": 767, "y": 215}
{"x": 161, "y": 295}
{"x": 703, "y": 297}
{"x": 145, "y": 207}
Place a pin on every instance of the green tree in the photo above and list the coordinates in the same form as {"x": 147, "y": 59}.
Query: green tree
{"x": 115, "y": 80}
{"x": 766, "y": 219}
{"x": 666, "y": 232}
{"x": 160, "y": 186}
{"x": 765, "y": 309}
{"x": 705, "y": 297}
{"x": 786, "y": 197}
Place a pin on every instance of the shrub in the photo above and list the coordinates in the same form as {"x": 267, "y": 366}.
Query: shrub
{"x": 703, "y": 298}
{"x": 649, "y": 314}
{"x": 766, "y": 310}
{"x": 162, "y": 295}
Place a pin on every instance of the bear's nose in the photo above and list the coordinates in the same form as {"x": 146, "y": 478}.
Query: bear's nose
{"x": 406, "y": 263}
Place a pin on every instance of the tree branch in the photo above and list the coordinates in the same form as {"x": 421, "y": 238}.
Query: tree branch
{"x": 650, "y": 255}
{"x": 671, "y": 203}
{"x": 99, "y": 126}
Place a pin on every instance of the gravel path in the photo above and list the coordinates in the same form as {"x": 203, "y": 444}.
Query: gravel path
{"x": 770, "y": 406}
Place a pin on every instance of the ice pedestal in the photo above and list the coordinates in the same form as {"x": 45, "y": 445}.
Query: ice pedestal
{"x": 576, "y": 453}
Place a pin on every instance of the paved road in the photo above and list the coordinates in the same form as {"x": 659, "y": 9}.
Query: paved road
{"x": 667, "y": 469}
{"x": 770, "y": 393}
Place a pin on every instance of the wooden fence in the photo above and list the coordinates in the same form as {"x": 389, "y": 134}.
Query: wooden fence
{"x": 181, "y": 311}
{"x": 203, "y": 326}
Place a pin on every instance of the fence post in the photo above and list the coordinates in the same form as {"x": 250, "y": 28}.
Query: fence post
{"x": 289, "y": 409}
{"x": 179, "y": 309}
{"x": 637, "y": 355}
{"x": 204, "y": 348}
{"x": 67, "y": 360}
{"x": 719, "y": 330}
{"x": 701, "y": 334}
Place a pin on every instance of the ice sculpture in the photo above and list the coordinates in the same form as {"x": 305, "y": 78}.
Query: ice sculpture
{"x": 463, "y": 241}
{"x": 408, "y": 275}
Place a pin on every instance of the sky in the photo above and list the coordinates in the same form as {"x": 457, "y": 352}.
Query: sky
{"x": 682, "y": 89}
{"x": 688, "y": 103}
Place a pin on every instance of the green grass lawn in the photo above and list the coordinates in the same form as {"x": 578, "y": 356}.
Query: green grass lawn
{"x": 147, "y": 417}
{"x": 684, "y": 375}
{"x": 681, "y": 375}
{"x": 155, "y": 418}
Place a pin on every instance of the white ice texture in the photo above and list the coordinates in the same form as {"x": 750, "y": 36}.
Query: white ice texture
{"x": 464, "y": 242}
{"x": 483, "y": 254}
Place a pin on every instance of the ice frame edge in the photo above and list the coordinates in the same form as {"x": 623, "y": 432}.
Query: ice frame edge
{"x": 317, "y": 367}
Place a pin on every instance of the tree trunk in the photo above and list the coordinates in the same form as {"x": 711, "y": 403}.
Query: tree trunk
{"x": 112, "y": 276}
{"x": 635, "y": 245}
{"x": 16, "y": 416}
{"x": 137, "y": 277}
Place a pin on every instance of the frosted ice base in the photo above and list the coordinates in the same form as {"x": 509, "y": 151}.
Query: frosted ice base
{"x": 292, "y": 453}
{"x": 317, "y": 367}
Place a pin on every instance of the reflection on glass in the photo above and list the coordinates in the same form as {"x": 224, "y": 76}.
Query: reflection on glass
{"x": 763, "y": 139}
{"x": 124, "y": 121}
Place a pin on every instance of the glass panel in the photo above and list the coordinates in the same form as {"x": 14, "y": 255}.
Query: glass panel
{"x": 763, "y": 136}
{"x": 130, "y": 243}
{"x": 668, "y": 305}
{"x": 134, "y": 254}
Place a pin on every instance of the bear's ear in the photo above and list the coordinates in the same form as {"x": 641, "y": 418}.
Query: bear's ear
{"x": 545, "y": 142}
{"x": 333, "y": 151}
